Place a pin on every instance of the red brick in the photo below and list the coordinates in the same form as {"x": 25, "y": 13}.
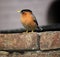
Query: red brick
{"x": 4, "y": 54}
{"x": 18, "y": 41}
{"x": 50, "y": 40}
{"x": 31, "y": 54}
{"x": 37, "y": 54}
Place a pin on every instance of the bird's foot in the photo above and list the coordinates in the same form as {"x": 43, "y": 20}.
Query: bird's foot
{"x": 32, "y": 31}
{"x": 26, "y": 31}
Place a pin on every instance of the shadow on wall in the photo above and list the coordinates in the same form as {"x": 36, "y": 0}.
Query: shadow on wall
{"x": 53, "y": 15}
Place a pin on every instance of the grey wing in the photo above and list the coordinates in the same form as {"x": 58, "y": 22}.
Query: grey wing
{"x": 34, "y": 18}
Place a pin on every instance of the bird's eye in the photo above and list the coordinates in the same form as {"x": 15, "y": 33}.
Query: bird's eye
{"x": 24, "y": 13}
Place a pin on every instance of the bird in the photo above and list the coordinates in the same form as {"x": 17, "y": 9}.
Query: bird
{"x": 28, "y": 20}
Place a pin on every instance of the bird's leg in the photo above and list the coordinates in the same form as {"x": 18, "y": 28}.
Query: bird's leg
{"x": 32, "y": 30}
{"x": 26, "y": 31}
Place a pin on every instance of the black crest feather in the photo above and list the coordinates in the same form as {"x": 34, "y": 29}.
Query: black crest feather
{"x": 26, "y": 10}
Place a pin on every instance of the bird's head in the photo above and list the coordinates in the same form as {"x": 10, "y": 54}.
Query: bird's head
{"x": 25, "y": 11}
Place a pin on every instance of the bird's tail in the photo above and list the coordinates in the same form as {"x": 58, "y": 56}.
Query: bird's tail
{"x": 39, "y": 28}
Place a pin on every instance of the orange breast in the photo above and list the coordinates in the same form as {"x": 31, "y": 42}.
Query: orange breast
{"x": 27, "y": 20}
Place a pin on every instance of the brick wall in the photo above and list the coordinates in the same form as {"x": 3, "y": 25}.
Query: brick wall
{"x": 32, "y": 44}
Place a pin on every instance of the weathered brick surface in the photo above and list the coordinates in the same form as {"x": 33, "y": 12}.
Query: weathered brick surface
{"x": 4, "y": 54}
{"x": 25, "y": 41}
{"x": 31, "y": 54}
{"x": 38, "y": 54}
{"x": 18, "y": 41}
{"x": 50, "y": 40}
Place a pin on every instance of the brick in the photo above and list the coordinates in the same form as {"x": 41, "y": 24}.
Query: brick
{"x": 4, "y": 54}
{"x": 18, "y": 41}
{"x": 36, "y": 54}
{"x": 50, "y": 40}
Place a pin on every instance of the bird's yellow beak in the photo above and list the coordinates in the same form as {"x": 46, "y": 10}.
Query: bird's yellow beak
{"x": 18, "y": 11}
